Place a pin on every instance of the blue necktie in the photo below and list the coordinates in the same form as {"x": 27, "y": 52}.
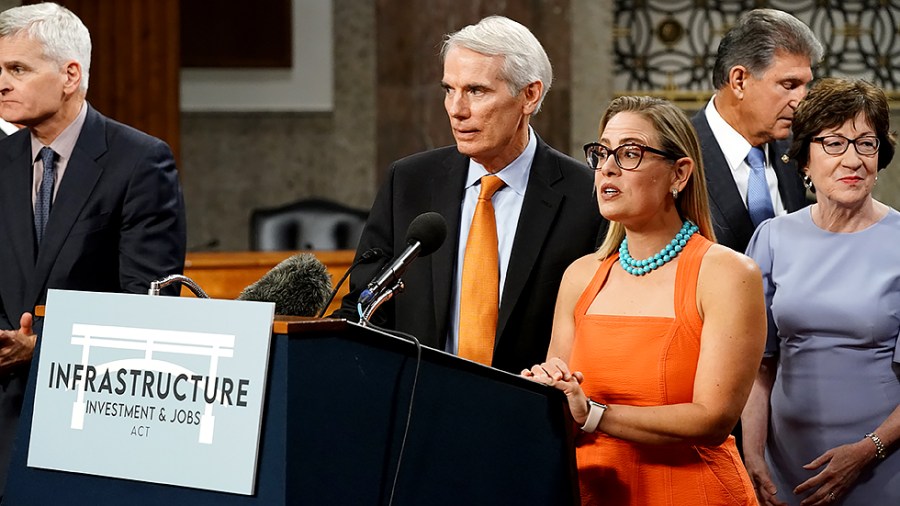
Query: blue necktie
{"x": 759, "y": 202}
{"x": 45, "y": 193}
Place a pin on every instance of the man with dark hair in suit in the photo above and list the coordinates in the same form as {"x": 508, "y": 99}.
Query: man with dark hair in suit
{"x": 488, "y": 293}
{"x": 762, "y": 70}
{"x": 763, "y": 66}
{"x": 86, "y": 203}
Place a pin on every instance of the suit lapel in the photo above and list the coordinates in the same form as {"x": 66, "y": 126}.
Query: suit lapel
{"x": 446, "y": 199}
{"x": 793, "y": 195}
{"x": 539, "y": 210}
{"x": 76, "y": 187}
{"x": 15, "y": 199}
{"x": 724, "y": 196}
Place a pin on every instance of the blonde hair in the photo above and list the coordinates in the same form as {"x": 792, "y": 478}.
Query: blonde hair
{"x": 676, "y": 135}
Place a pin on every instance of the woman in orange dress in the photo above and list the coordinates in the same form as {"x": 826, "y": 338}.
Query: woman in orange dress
{"x": 658, "y": 335}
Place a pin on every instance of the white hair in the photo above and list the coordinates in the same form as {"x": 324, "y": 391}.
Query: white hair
{"x": 61, "y": 34}
{"x": 524, "y": 59}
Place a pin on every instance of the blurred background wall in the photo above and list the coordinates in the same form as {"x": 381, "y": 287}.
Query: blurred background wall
{"x": 387, "y": 103}
{"x": 355, "y": 84}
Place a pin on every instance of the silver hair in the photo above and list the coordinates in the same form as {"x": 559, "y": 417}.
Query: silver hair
{"x": 524, "y": 59}
{"x": 58, "y": 30}
{"x": 756, "y": 37}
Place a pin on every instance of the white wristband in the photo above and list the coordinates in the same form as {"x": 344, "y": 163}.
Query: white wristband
{"x": 595, "y": 413}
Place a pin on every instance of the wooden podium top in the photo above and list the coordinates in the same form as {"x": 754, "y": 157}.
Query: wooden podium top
{"x": 294, "y": 324}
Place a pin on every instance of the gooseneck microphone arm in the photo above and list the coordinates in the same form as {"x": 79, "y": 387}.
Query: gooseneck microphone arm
{"x": 390, "y": 274}
{"x": 424, "y": 236}
{"x": 366, "y": 312}
{"x": 155, "y": 286}
{"x": 369, "y": 256}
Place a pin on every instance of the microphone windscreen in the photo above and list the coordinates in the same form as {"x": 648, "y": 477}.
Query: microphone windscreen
{"x": 299, "y": 286}
{"x": 430, "y": 229}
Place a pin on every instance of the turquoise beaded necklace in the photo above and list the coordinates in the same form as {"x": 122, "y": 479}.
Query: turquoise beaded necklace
{"x": 666, "y": 255}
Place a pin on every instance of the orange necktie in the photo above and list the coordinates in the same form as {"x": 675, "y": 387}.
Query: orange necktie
{"x": 479, "y": 299}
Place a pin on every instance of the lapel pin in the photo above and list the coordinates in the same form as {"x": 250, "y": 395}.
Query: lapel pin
{"x": 785, "y": 158}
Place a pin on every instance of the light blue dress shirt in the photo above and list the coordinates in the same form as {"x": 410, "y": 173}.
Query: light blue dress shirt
{"x": 507, "y": 207}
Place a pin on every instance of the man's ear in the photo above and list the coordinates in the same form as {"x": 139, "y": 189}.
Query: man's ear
{"x": 737, "y": 80}
{"x": 532, "y": 93}
{"x": 72, "y": 72}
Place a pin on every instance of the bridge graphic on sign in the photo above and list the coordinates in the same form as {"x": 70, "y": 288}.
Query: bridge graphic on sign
{"x": 150, "y": 341}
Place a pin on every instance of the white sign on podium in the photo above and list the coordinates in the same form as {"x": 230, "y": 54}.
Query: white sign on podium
{"x": 160, "y": 389}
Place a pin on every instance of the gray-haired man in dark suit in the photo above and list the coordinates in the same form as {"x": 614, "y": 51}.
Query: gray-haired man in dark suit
{"x": 762, "y": 70}
{"x": 496, "y": 74}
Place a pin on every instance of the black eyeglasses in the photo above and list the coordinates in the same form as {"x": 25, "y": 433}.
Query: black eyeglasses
{"x": 627, "y": 156}
{"x": 838, "y": 144}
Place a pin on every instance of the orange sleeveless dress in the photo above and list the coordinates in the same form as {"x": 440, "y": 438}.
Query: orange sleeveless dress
{"x": 650, "y": 361}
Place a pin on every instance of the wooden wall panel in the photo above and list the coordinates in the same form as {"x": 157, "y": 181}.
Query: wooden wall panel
{"x": 135, "y": 64}
{"x": 228, "y": 29}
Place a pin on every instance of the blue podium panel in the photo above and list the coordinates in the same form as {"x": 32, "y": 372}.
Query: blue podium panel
{"x": 333, "y": 428}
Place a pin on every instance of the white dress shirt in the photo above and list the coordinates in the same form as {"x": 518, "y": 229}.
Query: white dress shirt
{"x": 735, "y": 148}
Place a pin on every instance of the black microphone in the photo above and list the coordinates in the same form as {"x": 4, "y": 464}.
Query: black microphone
{"x": 424, "y": 236}
{"x": 370, "y": 255}
{"x": 299, "y": 286}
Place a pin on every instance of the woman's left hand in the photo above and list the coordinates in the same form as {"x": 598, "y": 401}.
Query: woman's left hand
{"x": 555, "y": 373}
{"x": 844, "y": 463}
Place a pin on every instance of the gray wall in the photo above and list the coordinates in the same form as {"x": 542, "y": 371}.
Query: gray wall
{"x": 235, "y": 162}
{"x": 232, "y": 163}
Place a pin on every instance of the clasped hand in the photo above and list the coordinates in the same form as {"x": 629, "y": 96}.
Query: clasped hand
{"x": 555, "y": 373}
{"x": 17, "y": 346}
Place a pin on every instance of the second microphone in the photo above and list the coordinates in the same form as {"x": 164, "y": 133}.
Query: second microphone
{"x": 424, "y": 236}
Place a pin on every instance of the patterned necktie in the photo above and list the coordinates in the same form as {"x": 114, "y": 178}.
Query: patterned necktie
{"x": 44, "y": 198}
{"x": 759, "y": 201}
{"x": 479, "y": 298}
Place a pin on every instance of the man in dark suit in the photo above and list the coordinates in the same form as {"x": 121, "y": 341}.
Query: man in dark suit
{"x": 763, "y": 66}
{"x": 546, "y": 215}
{"x": 86, "y": 203}
{"x": 762, "y": 70}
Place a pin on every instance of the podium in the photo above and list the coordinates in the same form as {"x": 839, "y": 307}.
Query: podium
{"x": 336, "y": 410}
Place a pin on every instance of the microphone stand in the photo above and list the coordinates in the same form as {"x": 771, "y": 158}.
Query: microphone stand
{"x": 155, "y": 286}
{"x": 368, "y": 256}
{"x": 366, "y": 312}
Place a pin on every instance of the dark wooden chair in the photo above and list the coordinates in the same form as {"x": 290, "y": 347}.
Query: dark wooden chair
{"x": 308, "y": 224}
